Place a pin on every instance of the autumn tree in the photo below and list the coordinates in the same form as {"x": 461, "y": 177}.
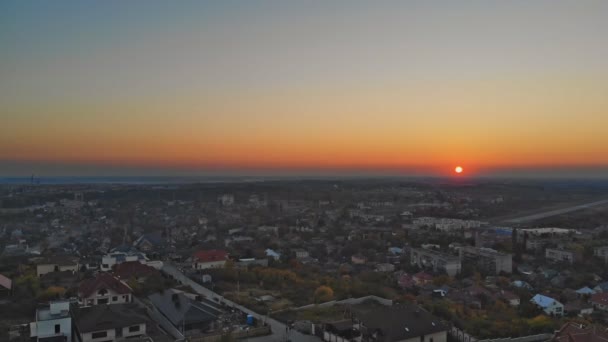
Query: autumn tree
{"x": 323, "y": 293}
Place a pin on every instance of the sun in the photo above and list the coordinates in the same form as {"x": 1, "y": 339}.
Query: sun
{"x": 458, "y": 169}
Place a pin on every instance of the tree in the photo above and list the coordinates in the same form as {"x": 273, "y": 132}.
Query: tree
{"x": 323, "y": 293}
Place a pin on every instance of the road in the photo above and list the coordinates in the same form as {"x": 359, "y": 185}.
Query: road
{"x": 280, "y": 333}
{"x": 556, "y": 212}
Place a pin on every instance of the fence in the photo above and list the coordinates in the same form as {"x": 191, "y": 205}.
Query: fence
{"x": 252, "y": 332}
{"x": 350, "y": 301}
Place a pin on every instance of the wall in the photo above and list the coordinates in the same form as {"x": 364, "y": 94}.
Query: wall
{"x": 47, "y": 328}
{"x": 88, "y": 337}
{"x": 210, "y": 264}
{"x": 126, "y": 333}
{"x": 441, "y": 336}
{"x": 95, "y": 297}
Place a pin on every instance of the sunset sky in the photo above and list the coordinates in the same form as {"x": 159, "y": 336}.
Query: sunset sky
{"x": 412, "y": 87}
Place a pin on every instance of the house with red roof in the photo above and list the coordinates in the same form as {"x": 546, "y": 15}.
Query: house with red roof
{"x": 600, "y": 301}
{"x": 103, "y": 289}
{"x": 213, "y": 258}
{"x": 134, "y": 270}
{"x": 575, "y": 332}
{"x": 6, "y": 286}
{"x": 422, "y": 278}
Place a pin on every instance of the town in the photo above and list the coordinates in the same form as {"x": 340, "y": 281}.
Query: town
{"x": 308, "y": 260}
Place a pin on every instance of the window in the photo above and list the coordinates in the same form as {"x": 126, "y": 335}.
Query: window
{"x": 99, "y": 334}
{"x": 134, "y": 328}
{"x": 102, "y": 301}
{"x": 102, "y": 292}
{"x": 115, "y": 298}
{"x": 57, "y": 328}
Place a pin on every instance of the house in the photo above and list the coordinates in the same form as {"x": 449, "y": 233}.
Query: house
{"x": 578, "y": 308}
{"x": 342, "y": 330}
{"x": 522, "y": 285}
{"x": 385, "y": 267}
{"x": 422, "y": 278}
{"x": 576, "y": 332}
{"x": 134, "y": 270}
{"x": 6, "y": 286}
{"x": 301, "y": 253}
{"x": 510, "y": 298}
{"x": 602, "y": 287}
{"x": 272, "y": 254}
{"x": 103, "y": 289}
{"x": 120, "y": 255}
{"x": 407, "y": 323}
{"x": 190, "y": 314}
{"x": 358, "y": 259}
{"x": 213, "y": 258}
{"x": 57, "y": 264}
{"x": 601, "y": 252}
{"x": 406, "y": 281}
{"x": 549, "y": 305}
{"x": 109, "y": 322}
{"x": 53, "y": 322}
{"x": 149, "y": 242}
{"x": 585, "y": 291}
{"x": 600, "y": 301}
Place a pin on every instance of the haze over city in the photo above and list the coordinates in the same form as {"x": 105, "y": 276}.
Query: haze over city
{"x": 304, "y": 88}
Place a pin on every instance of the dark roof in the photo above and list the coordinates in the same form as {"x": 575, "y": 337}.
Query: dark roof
{"x": 600, "y": 298}
{"x": 102, "y": 280}
{"x": 105, "y": 316}
{"x": 179, "y": 308}
{"x": 155, "y": 239}
{"x": 400, "y": 322}
{"x": 135, "y": 269}
{"x": 62, "y": 260}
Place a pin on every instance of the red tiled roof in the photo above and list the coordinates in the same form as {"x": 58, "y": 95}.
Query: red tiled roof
{"x": 572, "y": 332}
{"x": 135, "y": 269}
{"x": 6, "y": 282}
{"x": 210, "y": 255}
{"x": 103, "y": 280}
{"x": 600, "y": 298}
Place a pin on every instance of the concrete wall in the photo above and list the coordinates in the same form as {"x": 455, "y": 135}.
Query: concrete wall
{"x": 210, "y": 264}
{"x": 441, "y": 336}
{"x": 88, "y": 337}
{"x": 141, "y": 331}
{"x": 121, "y": 299}
{"x": 47, "y": 328}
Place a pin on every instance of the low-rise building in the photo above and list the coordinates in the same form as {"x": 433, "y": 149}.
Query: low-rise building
{"x": 601, "y": 252}
{"x": 405, "y": 323}
{"x": 53, "y": 322}
{"x": 600, "y": 301}
{"x": 209, "y": 259}
{"x": 437, "y": 261}
{"x": 103, "y": 289}
{"x": 560, "y": 255}
{"x": 549, "y": 305}
{"x": 108, "y": 261}
{"x": 487, "y": 260}
{"x": 57, "y": 264}
{"x": 109, "y": 322}
{"x": 190, "y": 314}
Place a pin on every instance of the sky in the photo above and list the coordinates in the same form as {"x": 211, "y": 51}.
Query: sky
{"x": 404, "y": 87}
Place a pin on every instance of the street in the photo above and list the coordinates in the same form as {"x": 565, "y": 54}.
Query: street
{"x": 280, "y": 333}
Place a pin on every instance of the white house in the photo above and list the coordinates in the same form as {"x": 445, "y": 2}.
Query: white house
{"x": 109, "y": 260}
{"x": 52, "y": 321}
{"x": 57, "y": 264}
{"x": 209, "y": 259}
{"x": 549, "y": 305}
{"x": 103, "y": 289}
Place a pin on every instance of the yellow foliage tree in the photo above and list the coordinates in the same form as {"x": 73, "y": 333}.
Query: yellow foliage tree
{"x": 323, "y": 294}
